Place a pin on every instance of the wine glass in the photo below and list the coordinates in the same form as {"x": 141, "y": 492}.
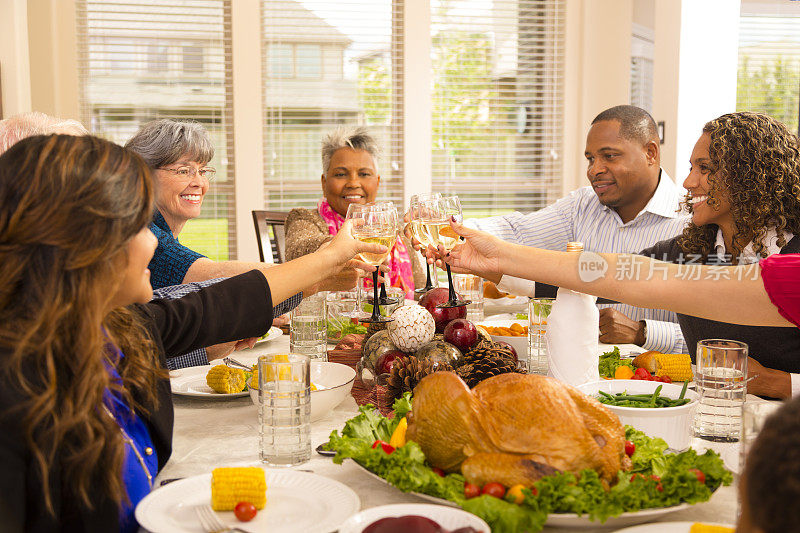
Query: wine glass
{"x": 378, "y": 225}
{"x": 384, "y": 299}
{"x": 356, "y": 212}
{"x": 435, "y": 216}
{"x": 418, "y": 231}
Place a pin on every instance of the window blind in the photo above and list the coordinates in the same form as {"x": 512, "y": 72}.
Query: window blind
{"x": 769, "y": 60}
{"x": 140, "y": 60}
{"x": 498, "y": 70}
{"x": 327, "y": 64}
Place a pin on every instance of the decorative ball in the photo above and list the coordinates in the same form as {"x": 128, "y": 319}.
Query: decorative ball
{"x": 377, "y": 345}
{"x": 412, "y": 327}
{"x": 439, "y": 351}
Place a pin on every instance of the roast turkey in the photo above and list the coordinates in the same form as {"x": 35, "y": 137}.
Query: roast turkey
{"x": 514, "y": 428}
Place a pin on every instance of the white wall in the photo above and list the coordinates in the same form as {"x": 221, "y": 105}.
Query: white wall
{"x": 697, "y": 46}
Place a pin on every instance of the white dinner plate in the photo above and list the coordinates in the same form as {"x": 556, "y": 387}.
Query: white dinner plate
{"x": 191, "y": 382}
{"x": 272, "y": 334}
{"x": 296, "y": 501}
{"x": 570, "y": 520}
{"x": 446, "y": 517}
{"x": 666, "y": 527}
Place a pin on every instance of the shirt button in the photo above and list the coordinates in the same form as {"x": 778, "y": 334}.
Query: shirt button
{"x": 148, "y": 451}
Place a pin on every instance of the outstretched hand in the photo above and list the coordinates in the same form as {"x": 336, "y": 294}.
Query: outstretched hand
{"x": 479, "y": 253}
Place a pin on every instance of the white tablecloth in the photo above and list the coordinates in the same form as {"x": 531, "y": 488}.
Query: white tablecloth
{"x": 212, "y": 433}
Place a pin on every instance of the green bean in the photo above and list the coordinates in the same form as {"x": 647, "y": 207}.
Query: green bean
{"x": 683, "y": 390}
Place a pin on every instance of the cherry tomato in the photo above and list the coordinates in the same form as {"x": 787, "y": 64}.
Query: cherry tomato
{"x": 642, "y": 373}
{"x": 245, "y": 511}
{"x": 633, "y": 477}
{"x": 438, "y": 471}
{"x": 701, "y": 477}
{"x": 387, "y": 448}
{"x": 660, "y": 487}
{"x": 666, "y": 379}
{"x": 630, "y": 448}
{"x": 658, "y": 378}
{"x": 655, "y": 478}
{"x": 494, "y": 489}
{"x": 471, "y": 490}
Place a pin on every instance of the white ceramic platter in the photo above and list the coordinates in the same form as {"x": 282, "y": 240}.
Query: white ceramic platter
{"x": 296, "y": 501}
{"x": 666, "y": 527}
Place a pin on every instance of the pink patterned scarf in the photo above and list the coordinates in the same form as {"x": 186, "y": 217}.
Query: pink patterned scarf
{"x": 400, "y": 272}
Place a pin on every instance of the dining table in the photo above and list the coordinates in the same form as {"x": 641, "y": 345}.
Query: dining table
{"x": 210, "y": 433}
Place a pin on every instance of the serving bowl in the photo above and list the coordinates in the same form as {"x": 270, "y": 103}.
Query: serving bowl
{"x": 335, "y": 381}
{"x": 520, "y": 343}
{"x": 673, "y": 424}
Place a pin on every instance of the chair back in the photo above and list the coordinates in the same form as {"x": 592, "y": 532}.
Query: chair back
{"x": 271, "y": 234}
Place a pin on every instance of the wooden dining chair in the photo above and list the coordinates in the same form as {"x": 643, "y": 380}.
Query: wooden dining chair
{"x": 271, "y": 234}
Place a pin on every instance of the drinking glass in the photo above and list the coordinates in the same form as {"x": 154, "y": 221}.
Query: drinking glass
{"x": 471, "y": 287}
{"x": 377, "y": 225}
{"x": 308, "y": 328}
{"x": 754, "y": 414}
{"x": 720, "y": 377}
{"x": 538, "y": 311}
{"x": 384, "y": 299}
{"x": 418, "y": 231}
{"x": 436, "y": 215}
{"x": 284, "y": 409}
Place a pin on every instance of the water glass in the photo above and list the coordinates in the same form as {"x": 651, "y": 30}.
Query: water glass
{"x": 342, "y": 303}
{"x": 538, "y": 311}
{"x": 720, "y": 378}
{"x": 471, "y": 288}
{"x": 307, "y": 331}
{"x": 284, "y": 409}
{"x": 754, "y": 414}
{"x": 395, "y": 293}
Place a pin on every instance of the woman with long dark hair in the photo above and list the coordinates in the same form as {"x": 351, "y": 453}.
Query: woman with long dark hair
{"x": 85, "y": 408}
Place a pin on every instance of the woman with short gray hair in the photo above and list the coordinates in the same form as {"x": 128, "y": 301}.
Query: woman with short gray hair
{"x": 349, "y": 176}
{"x": 178, "y": 153}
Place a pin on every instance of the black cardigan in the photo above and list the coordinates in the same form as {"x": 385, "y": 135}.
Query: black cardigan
{"x": 237, "y": 308}
{"x": 777, "y": 348}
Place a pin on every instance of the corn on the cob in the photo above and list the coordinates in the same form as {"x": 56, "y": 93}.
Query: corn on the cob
{"x": 678, "y": 366}
{"x": 230, "y": 486}
{"x": 708, "y": 528}
{"x": 226, "y": 380}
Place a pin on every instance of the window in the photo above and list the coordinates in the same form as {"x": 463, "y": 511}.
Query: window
{"x": 339, "y": 71}
{"x": 281, "y": 60}
{"x": 308, "y": 60}
{"x": 121, "y": 43}
{"x": 193, "y": 59}
{"x": 497, "y": 103}
{"x": 769, "y": 60}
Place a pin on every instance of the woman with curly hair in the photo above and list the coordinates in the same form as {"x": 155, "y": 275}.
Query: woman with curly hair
{"x": 744, "y": 198}
{"x": 85, "y": 408}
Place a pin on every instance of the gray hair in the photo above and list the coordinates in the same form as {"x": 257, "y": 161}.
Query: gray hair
{"x": 162, "y": 142}
{"x": 23, "y": 125}
{"x": 355, "y": 137}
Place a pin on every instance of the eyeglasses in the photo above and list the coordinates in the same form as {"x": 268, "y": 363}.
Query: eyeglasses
{"x": 186, "y": 173}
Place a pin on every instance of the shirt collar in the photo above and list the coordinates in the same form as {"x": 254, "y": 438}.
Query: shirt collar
{"x": 667, "y": 198}
{"x": 770, "y": 240}
{"x": 158, "y": 220}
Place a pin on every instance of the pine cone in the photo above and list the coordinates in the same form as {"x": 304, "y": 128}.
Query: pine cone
{"x": 373, "y": 328}
{"x": 484, "y": 350}
{"x": 475, "y": 372}
{"x": 405, "y": 376}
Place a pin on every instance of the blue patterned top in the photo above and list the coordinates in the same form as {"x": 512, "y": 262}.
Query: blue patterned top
{"x": 171, "y": 260}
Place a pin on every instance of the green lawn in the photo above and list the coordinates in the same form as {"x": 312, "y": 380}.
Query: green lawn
{"x": 208, "y": 236}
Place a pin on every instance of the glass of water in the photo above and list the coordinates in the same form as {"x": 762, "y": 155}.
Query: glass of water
{"x": 754, "y": 414}
{"x": 307, "y": 331}
{"x": 538, "y": 311}
{"x": 284, "y": 409}
{"x": 471, "y": 288}
{"x": 720, "y": 377}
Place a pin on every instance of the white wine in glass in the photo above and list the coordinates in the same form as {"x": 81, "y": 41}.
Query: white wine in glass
{"x": 418, "y": 232}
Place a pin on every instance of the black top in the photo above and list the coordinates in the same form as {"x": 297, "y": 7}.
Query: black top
{"x": 237, "y": 308}
{"x": 777, "y": 348}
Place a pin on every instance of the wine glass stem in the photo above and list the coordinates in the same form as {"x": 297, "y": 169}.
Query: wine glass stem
{"x": 452, "y": 293}
{"x": 375, "y": 302}
{"x": 383, "y": 291}
{"x": 358, "y": 292}
{"x": 428, "y": 282}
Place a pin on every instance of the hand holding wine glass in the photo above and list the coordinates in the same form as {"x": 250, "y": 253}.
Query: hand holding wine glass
{"x": 436, "y": 215}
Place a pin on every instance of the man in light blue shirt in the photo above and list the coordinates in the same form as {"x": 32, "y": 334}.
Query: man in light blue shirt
{"x": 629, "y": 205}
